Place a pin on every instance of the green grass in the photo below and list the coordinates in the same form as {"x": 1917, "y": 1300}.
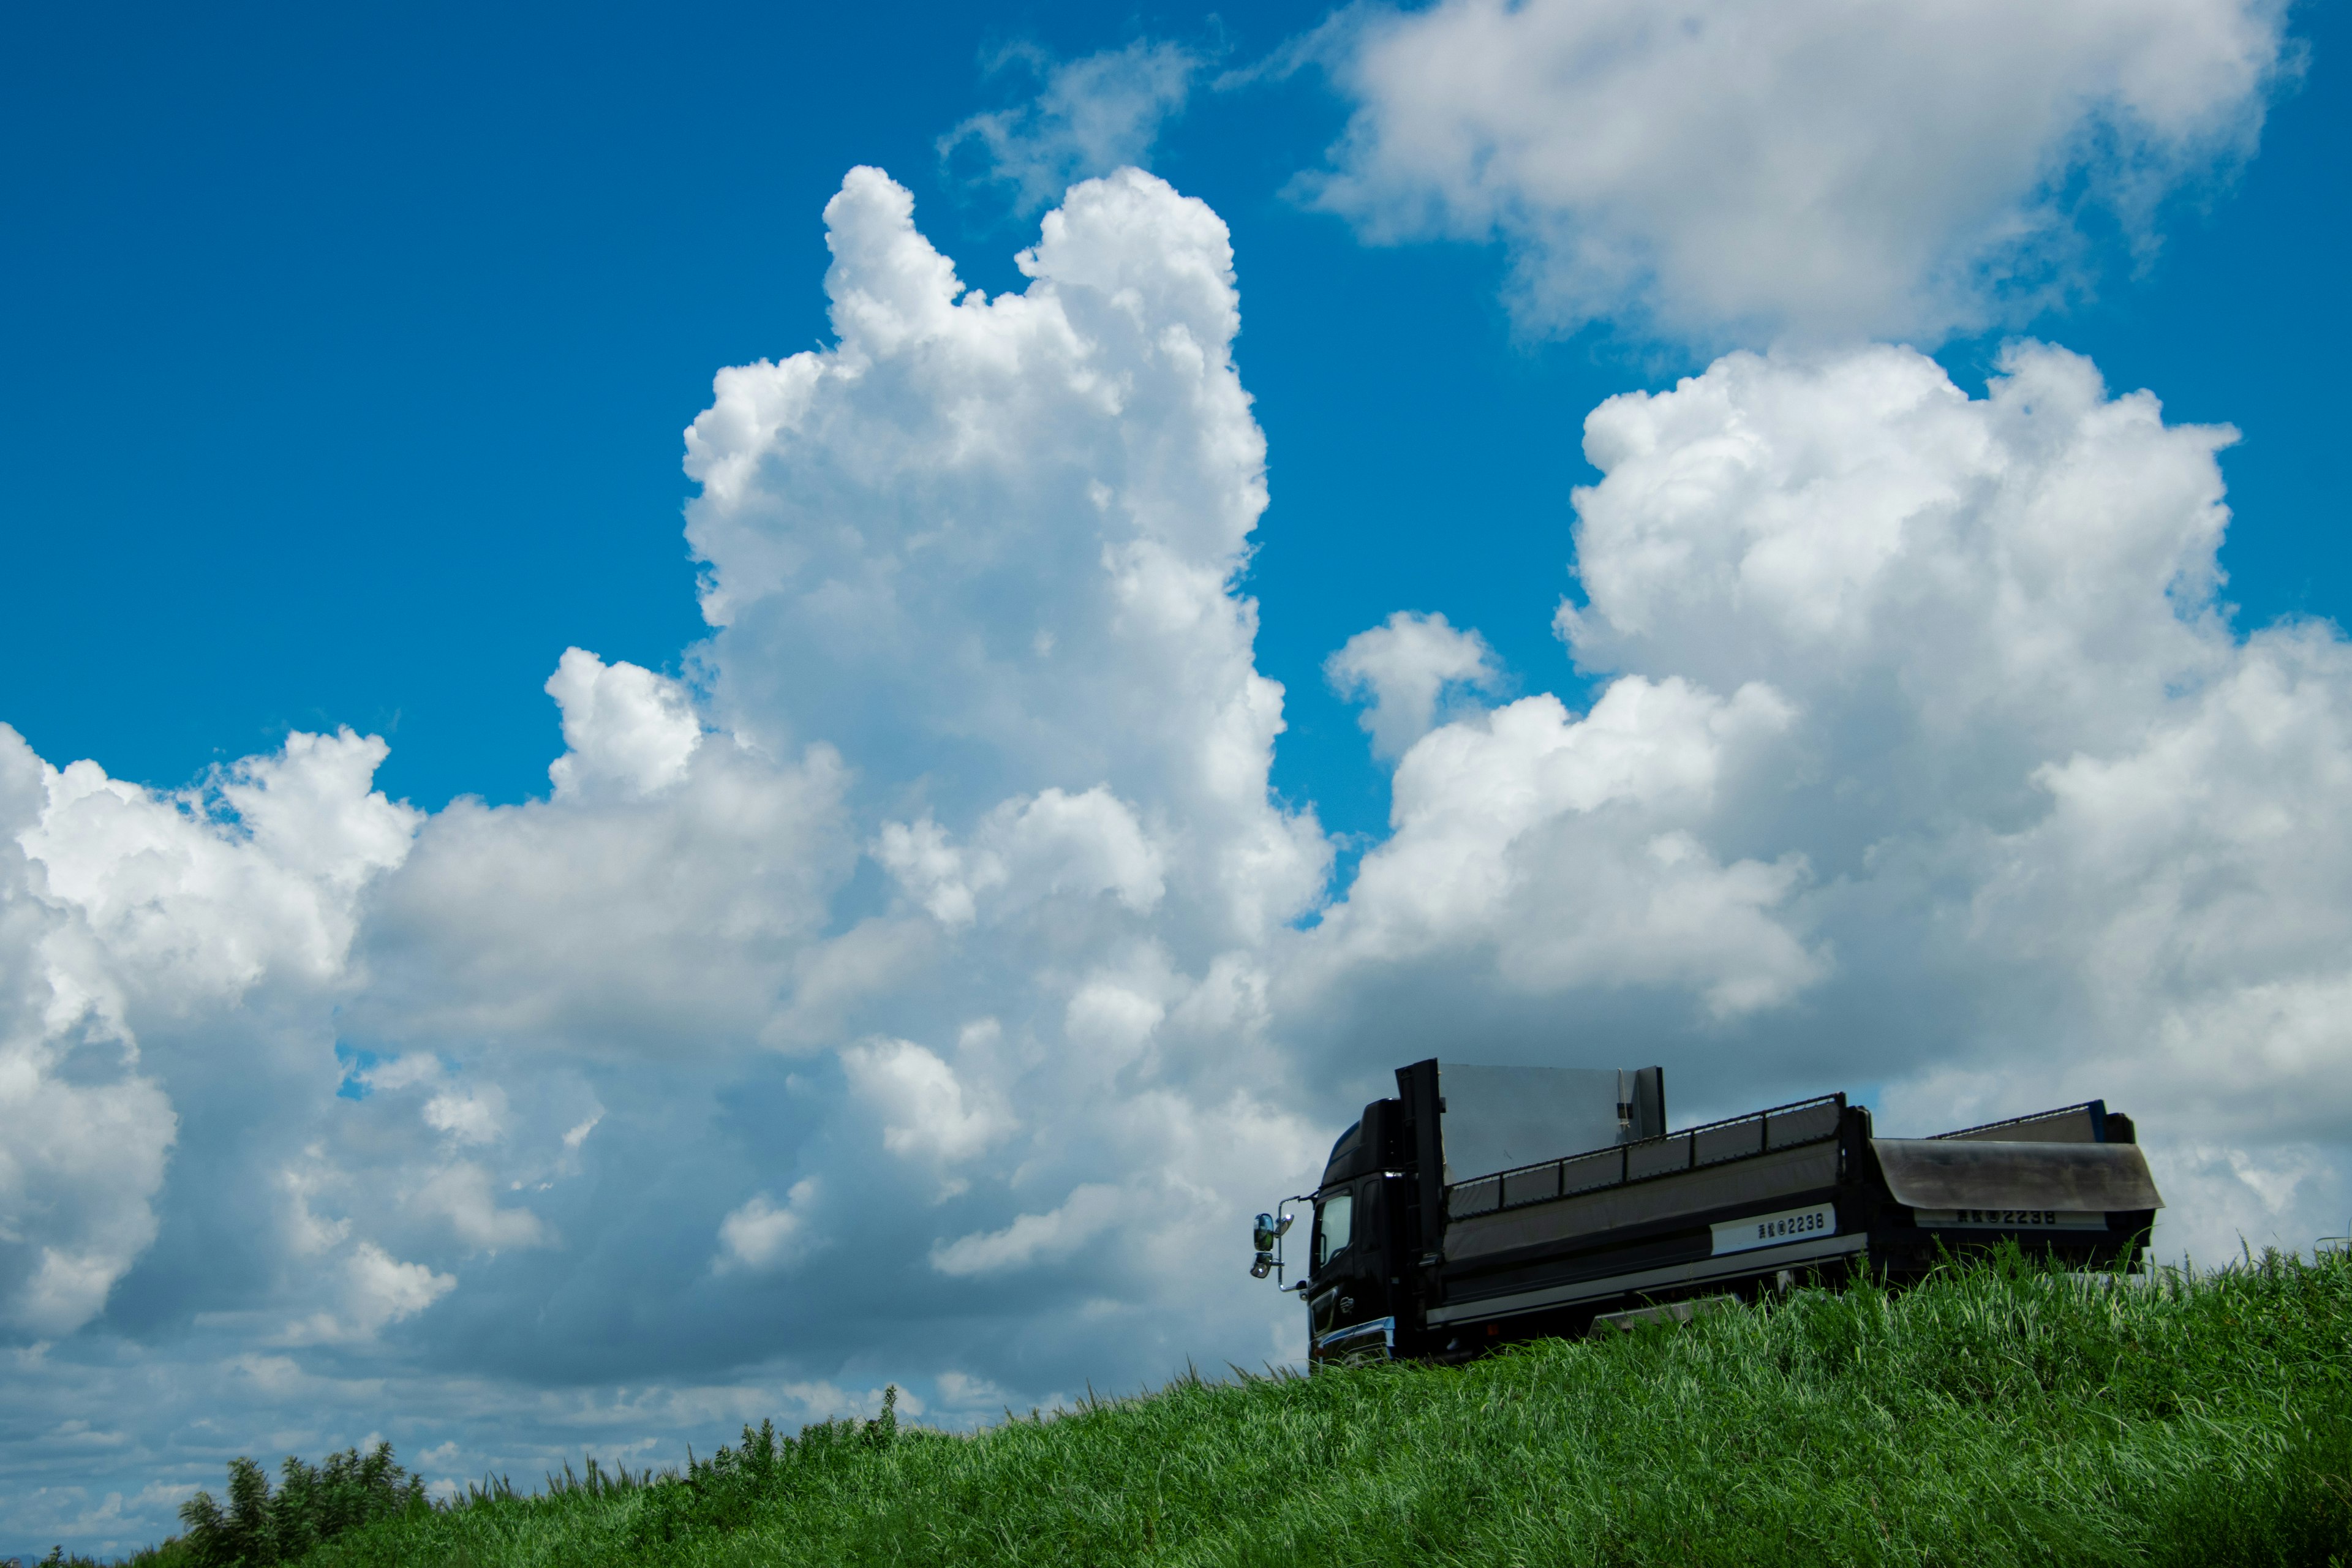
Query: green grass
{"x": 1995, "y": 1414}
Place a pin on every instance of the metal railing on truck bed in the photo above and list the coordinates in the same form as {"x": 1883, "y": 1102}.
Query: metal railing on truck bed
{"x": 1717, "y": 1142}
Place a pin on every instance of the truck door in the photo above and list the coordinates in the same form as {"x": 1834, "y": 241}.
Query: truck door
{"x": 1350, "y": 1284}
{"x": 1335, "y": 1232}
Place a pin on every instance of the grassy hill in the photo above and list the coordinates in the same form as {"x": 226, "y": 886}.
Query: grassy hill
{"x": 1996, "y": 1414}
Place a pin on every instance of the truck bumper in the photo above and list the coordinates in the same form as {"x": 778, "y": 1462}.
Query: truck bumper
{"x": 1375, "y": 1341}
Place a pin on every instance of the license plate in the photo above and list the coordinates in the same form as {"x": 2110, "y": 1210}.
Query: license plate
{"x": 1775, "y": 1229}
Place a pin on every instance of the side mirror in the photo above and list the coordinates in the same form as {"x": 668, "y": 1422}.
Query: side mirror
{"x": 1266, "y": 1234}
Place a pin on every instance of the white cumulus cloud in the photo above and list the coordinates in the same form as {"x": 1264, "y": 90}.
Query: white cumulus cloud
{"x": 628, "y": 729}
{"x": 1727, "y": 168}
{"x": 1404, "y": 667}
{"x": 468, "y": 1116}
{"x": 383, "y": 1290}
{"x": 762, "y": 1235}
{"x": 926, "y": 1109}
{"x": 1030, "y": 1238}
{"x": 1558, "y": 853}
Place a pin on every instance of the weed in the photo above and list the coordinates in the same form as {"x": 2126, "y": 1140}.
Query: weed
{"x": 312, "y": 1504}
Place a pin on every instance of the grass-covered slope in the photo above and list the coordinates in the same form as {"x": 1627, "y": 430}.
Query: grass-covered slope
{"x": 1996, "y": 1414}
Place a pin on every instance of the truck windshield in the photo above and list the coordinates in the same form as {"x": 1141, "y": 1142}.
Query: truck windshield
{"x": 1333, "y": 1217}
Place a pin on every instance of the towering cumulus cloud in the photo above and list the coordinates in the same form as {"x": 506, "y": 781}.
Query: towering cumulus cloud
{"x": 986, "y": 548}
{"x": 924, "y": 985}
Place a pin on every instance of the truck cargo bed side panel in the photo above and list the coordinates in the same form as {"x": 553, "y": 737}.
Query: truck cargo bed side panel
{"x": 1699, "y": 1271}
{"x": 1754, "y": 1182}
{"x": 1963, "y": 1173}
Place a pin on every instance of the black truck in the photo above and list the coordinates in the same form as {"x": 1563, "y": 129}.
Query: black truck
{"x": 1486, "y": 1204}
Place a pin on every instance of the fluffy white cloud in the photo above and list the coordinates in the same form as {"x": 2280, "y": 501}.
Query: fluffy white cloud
{"x": 1555, "y": 853}
{"x": 1088, "y": 117}
{"x": 1055, "y": 1234}
{"x": 1728, "y": 167}
{"x": 468, "y": 1116}
{"x": 759, "y": 1236}
{"x": 384, "y": 1291}
{"x": 627, "y": 729}
{"x": 2190, "y": 879}
{"x": 926, "y": 1111}
{"x": 1812, "y": 521}
{"x": 1406, "y": 668}
{"x": 1026, "y": 848}
{"x": 611, "y": 920}
{"x": 206, "y": 893}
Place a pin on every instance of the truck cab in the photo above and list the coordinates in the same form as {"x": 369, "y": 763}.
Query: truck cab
{"x": 1374, "y": 1251}
{"x": 1354, "y": 1250}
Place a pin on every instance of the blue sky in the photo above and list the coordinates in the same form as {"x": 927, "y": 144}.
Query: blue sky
{"x": 677, "y": 826}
